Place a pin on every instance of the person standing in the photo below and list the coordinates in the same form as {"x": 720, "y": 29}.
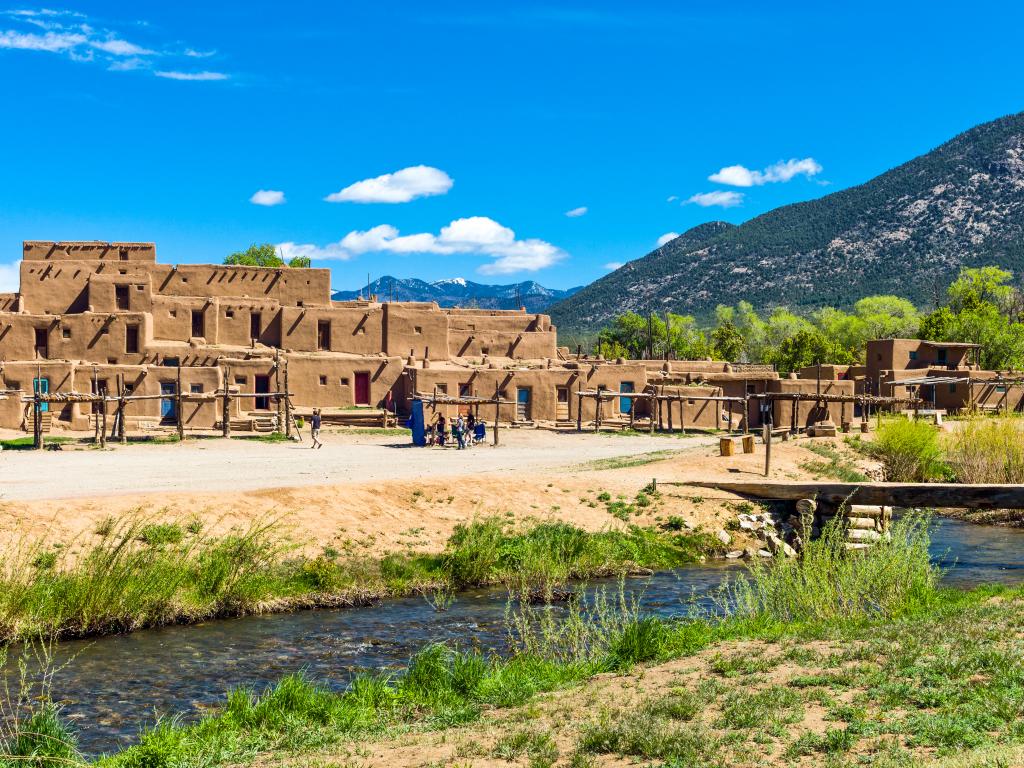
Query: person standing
{"x": 460, "y": 431}
{"x": 314, "y": 425}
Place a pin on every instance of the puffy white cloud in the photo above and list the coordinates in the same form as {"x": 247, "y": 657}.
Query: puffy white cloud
{"x": 577, "y": 212}
{"x": 267, "y": 197}
{"x": 119, "y": 47}
{"x": 398, "y": 187}
{"x": 194, "y": 54}
{"x": 473, "y": 235}
{"x": 613, "y": 265}
{"x": 741, "y": 176}
{"x": 667, "y": 237}
{"x": 195, "y": 76}
{"x": 10, "y": 277}
{"x": 708, "y": 199}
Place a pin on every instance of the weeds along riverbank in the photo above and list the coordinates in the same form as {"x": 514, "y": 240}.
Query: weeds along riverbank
{"x": 137, "y": 573}
{"x": 949, "y": 675}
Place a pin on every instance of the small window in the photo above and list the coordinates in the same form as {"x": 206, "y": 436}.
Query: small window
{"x": 442, "y": 389}
{"x": 139, "y": 287}
{"x": 195, "y": 389}
{"x": 344, "y": 381}
{"x": 184, "y": 279}
{"x": 65, "y": 333}
{"x": 913, "y": 355}
{"x": 323, "y": 381}
{"x": 1000, "y": 387}
{"x": 170, "y": 362}
{"x": 485, "y": 350}
{"x": 111, "y": 361}
{"x": 172, "y": 312}
{"x": 417, "y": 329}
{"x": 229, "y": 313}
{"x": 122, "y": 271}
{"x": 240, "y": 380}
{"x": 952, "y": 387}
{"x": 123, "y": 255}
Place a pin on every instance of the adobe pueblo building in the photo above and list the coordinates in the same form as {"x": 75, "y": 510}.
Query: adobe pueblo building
{"x": 106, "y": 318}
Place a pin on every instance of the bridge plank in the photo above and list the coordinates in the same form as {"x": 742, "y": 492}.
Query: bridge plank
{"x": 987, "y": 496}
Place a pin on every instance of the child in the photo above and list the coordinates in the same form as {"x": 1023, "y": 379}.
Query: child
{"x": 314, "y": 424}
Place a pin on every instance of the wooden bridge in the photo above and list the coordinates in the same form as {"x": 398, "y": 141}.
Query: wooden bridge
{"x": 938, "y": 495}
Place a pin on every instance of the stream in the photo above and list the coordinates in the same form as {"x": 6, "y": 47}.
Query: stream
{"x": 114, "y": 686}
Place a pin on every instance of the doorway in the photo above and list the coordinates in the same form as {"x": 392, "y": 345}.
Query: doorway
{"x": 42, "y": 386}
{"x": 523, "y": 409}
{"x": 625, "y": 403}
{"x": 255, "y": 326}
{"x": 362, "y": 388}
{"x": 198, "y": 324}
{"x": 562, "y": 403}
{"x": 42, "y": 343}
{"x": 168, "y": 411}
{"x": 465, "y": 390}
{"x": 121, "y": 297}
{"x": 262, "y": 385}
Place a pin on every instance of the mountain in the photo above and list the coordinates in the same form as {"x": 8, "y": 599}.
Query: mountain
{"x": 458, "y": 292}
{"x": 906, "y": 232}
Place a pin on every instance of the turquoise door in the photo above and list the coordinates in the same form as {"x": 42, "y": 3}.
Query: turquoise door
{"x": 626, "y": 403}
{"x": 42, "y": 386}
{"x": 167, "y": 404}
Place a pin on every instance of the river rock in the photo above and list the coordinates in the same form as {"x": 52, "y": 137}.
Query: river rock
{"x": 734, "y": 554}
{"x": 724, "y": 537}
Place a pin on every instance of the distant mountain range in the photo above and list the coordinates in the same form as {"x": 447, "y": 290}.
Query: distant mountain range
{"x": 906, "y": 232}
{"x": 458, "y": 292}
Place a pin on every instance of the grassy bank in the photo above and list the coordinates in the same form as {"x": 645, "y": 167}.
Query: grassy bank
{"x": 135, "y": 573}
{"x": 893, "y": 668}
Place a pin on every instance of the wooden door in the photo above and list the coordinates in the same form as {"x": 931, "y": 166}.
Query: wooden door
{"x": 168, "y": 411}
{"x": 625, "y": 403}
{"x": 42, "y": 343}
{"x": 465, "y": 390}
{"x": 562, "y": 404}
{"x": 42, "y": 386}
{"x": 362, "y": 388}
{"x": 523, "y": 410}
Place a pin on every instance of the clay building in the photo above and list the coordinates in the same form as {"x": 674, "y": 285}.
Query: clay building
{"x": 91, "y": 317}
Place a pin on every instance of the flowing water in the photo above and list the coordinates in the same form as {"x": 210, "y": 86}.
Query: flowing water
{"x": 113, "y": 687}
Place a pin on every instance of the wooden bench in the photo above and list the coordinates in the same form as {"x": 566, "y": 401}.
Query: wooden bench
{"x": 933, "y": 413}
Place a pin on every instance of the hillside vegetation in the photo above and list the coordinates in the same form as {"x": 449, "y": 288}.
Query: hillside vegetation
{"x": 906, "y": 232}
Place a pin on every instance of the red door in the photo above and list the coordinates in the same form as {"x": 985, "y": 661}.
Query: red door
{"x": 363, "y": 388}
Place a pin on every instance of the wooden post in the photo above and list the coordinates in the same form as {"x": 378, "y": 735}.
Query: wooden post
{"x": 277, "y": 385}
{"x": 92, "y": 407}
{"x": 746, "y": 409}
{"x": 597, "y": 412}
{"x": 287, "y": 403}
{"x": 497, "y": 406}
{"x": 671, "y": 429}
{"x": 103, "y": 426}
{"x": 226, "y": 405}
{"x": 796, "y": 411}
{"x": 179, "y": 403}
{"x": 650, "y": 412}
{"x": 661, "y": 405}
{"x": 682, "y": 415}
{"x": 767, "y": 448}
{"x": 718, "y": 412}
{"x": 37, "y": 417}
{"x": 122, "y": 434}
{"x": 632, "y": 412}
{"x": 579, "y": 411}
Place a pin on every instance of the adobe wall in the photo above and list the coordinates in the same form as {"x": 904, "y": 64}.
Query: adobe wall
{"x": 808, "y": 411}
{"x": 8, "y": 302}
{"x": 87, "y": 250}
{"x": 86, "y": 336}
{"x": 355, "y": 330}
{"x": 417, "y": 330}
{"x": 327, "y": 381}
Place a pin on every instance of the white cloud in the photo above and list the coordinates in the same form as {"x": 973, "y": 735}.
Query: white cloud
{"x": 267, "y": 197}
{"x": 473, "y": 235}
{"x": 120, "y": 47}
{"x": 398, "y": 187}
{"x": 51, "y": 42}
{"x": 672, "y": 198}
{"x": 740, "y": 176}
{"x": 10, "y": 277}
{"x": 724, "y": 199}
{"x": 81, "y": 39}
{"x": 613, "y": 265}
{"x": 191, "y": 76}
{"x": 577, "y": 212}
{"x": 667, "y": 237}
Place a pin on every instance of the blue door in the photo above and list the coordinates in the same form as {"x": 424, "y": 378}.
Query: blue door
{"x": 626, "y": 403}
{"x": 167, "y": 404}
{"x": 42, "y": 386}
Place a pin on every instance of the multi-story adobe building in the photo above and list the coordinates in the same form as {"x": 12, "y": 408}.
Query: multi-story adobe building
{"x": 89, "y": 314}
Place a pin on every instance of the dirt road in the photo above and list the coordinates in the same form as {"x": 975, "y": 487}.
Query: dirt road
{"x": 246, "y": 465}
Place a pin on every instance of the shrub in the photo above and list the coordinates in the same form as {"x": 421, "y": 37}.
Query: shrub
{"x": 41, "y": 740}
{"x": 909, "y": 451}
{"x": 159, "y": 534}
{"x": 985, "y": 450}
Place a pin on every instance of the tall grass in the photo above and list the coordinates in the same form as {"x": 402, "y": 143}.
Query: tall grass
{"x": 986, "y": 450}
{"x": 909, "y": 450}
{"x": 830, "y": 583}
{"x": 140, "y": 573}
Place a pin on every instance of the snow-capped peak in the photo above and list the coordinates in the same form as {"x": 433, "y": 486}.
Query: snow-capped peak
{"x": 452, "y": 281}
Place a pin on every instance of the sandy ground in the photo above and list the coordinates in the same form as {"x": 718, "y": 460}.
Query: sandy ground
{"x": 369, "y": 494}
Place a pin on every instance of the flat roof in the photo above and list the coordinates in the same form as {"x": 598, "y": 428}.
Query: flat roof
{"x": 952, "y": 344}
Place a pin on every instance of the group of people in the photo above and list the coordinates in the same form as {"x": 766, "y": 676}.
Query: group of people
{"x": 465, "y": 430}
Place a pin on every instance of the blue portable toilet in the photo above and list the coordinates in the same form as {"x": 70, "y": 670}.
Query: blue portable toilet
{"x": 416, "y": 423}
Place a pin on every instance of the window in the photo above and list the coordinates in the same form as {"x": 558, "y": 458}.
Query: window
{"x": 240, "y": 380}
{"x": 65, "y": 333}
{"x": 13, "y": 384}
{"x": 111, "y": 361}
{"x": 42, "y": 343}
{"x": 323, "y": 334}
{"x": 942, "y": 356}
{"x": 417, "y": 329}
{"x": 323, "y": 381}
{"x": 131, "y": 339}
{"x": 913, "y": 354}
{"x": 195, "y": 389}
{"x": 172, "y": 312}
{"x": 229, "y": 313}
{"x": 442, "y": 389}
{"x": 952, "y": 387}
{"x": 122, "y": 271}
{"x": 123, "y": 255}
{"x": 121, "y": 299}
{"x": 1000, "y": 387}
{"x": 139, "y": 287}
{"x": 171, "y": 362}
{"x": 255, "y": 325}
{"x": 198, "y": 323}
{"x": 344, "y": 381}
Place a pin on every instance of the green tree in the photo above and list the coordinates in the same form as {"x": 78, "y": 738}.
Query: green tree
{"x": 727, "y": 342}
{"x": 807, "y": 347}
{"x": 265, "y": 255}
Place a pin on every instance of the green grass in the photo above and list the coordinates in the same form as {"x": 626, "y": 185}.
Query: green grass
{"x": 27, "y": 443}
{"x": 135, "y": 573}
{"x": 909, "y": 450}
{"x": 835, "y": 466}
{"x": 986, "y": 450}
{"x": 939, "y": 668}
{"x": 622, "y": 462}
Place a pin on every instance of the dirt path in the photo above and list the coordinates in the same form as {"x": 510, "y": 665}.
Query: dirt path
{"x": 367, "y": 494}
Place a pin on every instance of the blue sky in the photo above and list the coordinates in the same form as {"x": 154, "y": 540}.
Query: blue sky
{"x": 448, "y": 139}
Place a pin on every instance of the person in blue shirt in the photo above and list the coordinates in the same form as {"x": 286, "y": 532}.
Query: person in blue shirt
{"x": 314, "y": 424}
